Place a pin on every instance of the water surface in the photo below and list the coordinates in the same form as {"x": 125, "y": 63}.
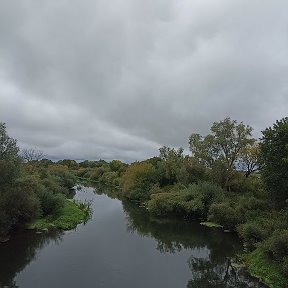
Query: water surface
{"x": 121, "y": 246}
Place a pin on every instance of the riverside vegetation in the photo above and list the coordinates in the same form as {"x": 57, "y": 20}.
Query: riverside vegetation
{"x": 35, "y": 193}
{"x": 230, "y": 181}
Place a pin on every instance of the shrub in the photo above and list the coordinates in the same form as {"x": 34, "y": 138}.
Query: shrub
{"x": 138, "y": 180}
{"x": 262, "y": 226}
{"x": 225, "y": 215}
{"x": 250, "y": 207}
{"x": 65, "y": 178}
{"x": 252, "y": 233}
{"x": 50, "y": 203}
{"x": 17, "y": 205}
{"x": 277, "y": 248}
{"x": 193, "y": 201}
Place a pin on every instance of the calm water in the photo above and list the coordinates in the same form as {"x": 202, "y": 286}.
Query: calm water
{"x": 122, "y": 247}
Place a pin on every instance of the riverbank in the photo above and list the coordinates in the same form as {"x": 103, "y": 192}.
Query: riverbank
{"x": 67, "y": 218}
{"x": 259, "y": 266}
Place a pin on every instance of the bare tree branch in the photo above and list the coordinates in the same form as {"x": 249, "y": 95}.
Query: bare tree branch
{"x": 32, "y": 154}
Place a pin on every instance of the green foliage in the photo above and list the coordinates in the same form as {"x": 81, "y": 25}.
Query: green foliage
{"x": 260, "y": 266}
{"x": 193, "y": 201}
{"x": 138, "y": 180}
{"x": 274, "y": 153}
{"x": 9, "y": 171}
{"x": 64, "y": 176}
{"x": 67, "y": 218}
{"x": 191, "y": 171}
{"x": 276, "y": 247}
{"x": 260, "y": 226}
{"x": 50, "y": 203}
{"x": 250, "y": 160}
{"x": 222, "y": 148}
{"x": 8, "y": 146}
{"x": 211, "y": 225}
{"x": 71, "y": 164}
{"x": 252, "y": 233}
{"x": 17, "y": 206}
{"x": 225, "y": 215}
{"x": 116, "y": 165}
{"x": 91, "y": 164}
{"x": 170, "y": 165}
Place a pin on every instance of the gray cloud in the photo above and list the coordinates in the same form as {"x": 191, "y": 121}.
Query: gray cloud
{"x": 99, "y": 79}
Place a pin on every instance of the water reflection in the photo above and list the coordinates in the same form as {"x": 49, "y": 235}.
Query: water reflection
{"x": 173, "y": 235}
{"x": 17, "y": 253}
{"x": 103, "y": 254}
{"x": 210, "y": 274}
{"x": 213, "y": 268}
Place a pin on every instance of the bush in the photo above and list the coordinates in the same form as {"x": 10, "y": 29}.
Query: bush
{"x": 250, "y": 207}
{"x": 50, "y": 203}
{"x": 193, "y": 201}
{"x": 225, "y": 215}
{"x": 262, "y": 226}
{"x": 65, "y": 178}
{"x": 252, "y": 233}
{"x": 276, "y": 247}
{"x": 138, "y": 180}
{"x": 17, "y": 206}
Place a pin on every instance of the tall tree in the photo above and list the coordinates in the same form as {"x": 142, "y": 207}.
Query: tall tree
{"x": 274, "y": 152}
{"x": 223, "y": 146}
{"x": 170, "y": 164}
{"x": 8, "y": 146}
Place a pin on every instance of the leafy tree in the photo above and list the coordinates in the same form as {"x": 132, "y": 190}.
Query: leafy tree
{"x": 191, "y": 171}
{"x": 71, "y": 164}
{"x": 170, "y": 164}
{"x": 250, "y": 160}
{"x": 138, "y": 180}
{"x": 8, "y": 146}
{"x": 223, "y": 145}
{"x": 116, "y": 165}
{"x": 274, "y": 153}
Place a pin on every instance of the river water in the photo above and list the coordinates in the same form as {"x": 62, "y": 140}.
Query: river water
{"x": 121, "y": 246}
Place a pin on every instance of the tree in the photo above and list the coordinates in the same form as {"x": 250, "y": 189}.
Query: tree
{"x": 32, "y": 154}
{"x": 222, "y": 147}
{"x": 274, "y": 153}
{"x": 250, "y": 160}
{"x": 170, "y": 164}
{"x": 8, "y": 146}
{"x": 138, "y": 180}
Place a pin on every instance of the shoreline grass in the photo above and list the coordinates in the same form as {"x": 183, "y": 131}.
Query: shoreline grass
{"x": 67, "y": 218}
{"x": 211, "y": 225}
{"x": 259, "y": 266}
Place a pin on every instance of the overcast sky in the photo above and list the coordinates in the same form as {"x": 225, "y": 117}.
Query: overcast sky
{"x": 119, "y": 79}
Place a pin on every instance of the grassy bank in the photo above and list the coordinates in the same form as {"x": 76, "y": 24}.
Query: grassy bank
{"x": 67, "y": 218}
{"x": 266, "y": 271}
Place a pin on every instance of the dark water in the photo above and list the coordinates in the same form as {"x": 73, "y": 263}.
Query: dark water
{"x": 122, "y": 247}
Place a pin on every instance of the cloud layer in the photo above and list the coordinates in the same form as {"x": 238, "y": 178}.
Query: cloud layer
{"x": 99, "y": 79}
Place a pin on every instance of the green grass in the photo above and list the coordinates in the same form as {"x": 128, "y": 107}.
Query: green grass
{"x": 262, "y": 268}
{"x": 211, "y": 225}
{"x": 67, "y": 218}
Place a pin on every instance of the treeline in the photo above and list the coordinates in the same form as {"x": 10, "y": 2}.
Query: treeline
{"x": 230, "y": 179}
{"x": 28, "y": 190}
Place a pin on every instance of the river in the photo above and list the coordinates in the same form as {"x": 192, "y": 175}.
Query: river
{"x": 122, "y": 246}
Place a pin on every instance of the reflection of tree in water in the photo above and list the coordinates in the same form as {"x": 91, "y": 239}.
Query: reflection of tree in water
{"x": 215, "y": 248}
{"x": 17, "y": 253}
{"x": 173, "y": 235}
{"x": 209, "y": 274}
